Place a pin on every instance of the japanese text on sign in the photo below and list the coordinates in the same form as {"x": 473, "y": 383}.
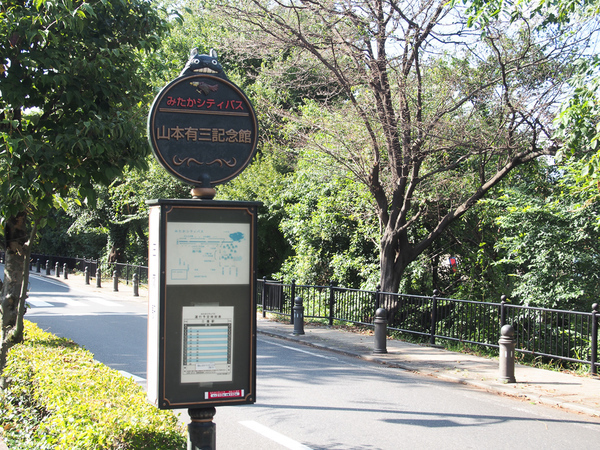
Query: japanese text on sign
{"x": 204, "y": 134}
{"x": 209, "y": 103}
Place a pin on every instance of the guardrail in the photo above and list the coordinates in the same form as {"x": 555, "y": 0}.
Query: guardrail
{"x": 549, "y": 333}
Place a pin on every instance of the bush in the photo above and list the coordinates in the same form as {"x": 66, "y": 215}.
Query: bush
{"x": 58, "y": 397}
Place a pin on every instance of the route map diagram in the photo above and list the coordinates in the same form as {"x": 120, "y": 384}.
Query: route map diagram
{"x": 208, "y": 253}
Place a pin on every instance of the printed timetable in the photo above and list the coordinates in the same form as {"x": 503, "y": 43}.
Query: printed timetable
{"x": 207, "y": 338}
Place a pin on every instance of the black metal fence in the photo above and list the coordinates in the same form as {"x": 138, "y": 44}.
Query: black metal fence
{"x": 124, "y": 271}
{"x": 555, "y": 334}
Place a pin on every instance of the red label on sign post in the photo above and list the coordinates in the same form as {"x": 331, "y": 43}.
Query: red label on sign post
{"x": 238, "y": 393}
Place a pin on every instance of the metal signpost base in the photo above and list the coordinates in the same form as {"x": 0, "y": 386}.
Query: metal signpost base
{"x": 202, "y": 433}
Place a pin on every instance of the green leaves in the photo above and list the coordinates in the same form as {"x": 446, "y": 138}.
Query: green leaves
{"x": 60, "y": 398}
{"x": 71, "y": 95}
{"x": 550, "y": 244}
{"x": 579, "y": 121}
{"x": 87, "y": 8}
{"x": 327, "y": 222}
{"x": 481, "y": 12}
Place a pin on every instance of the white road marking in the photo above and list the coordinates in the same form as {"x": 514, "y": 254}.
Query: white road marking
{"x": 101, "y": 301}
{"x": 274, "y": 435}
{"x": 39, "y": 303}
{"x": 79, "y": 302}
{"x": 63, "y": 300}
{"x": 332, "y": 358}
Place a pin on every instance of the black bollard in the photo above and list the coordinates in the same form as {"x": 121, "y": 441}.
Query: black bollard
{"x": 98, "y": 277}
{"x": 298, "y": 317}
{"x": 263, "y": 296}
{"x": 65, "y": 271}
{"x": 115, "y": 281}
{"x": 434, "y": 303}
{"x": 37, "y": 266}
{"x": 202, "y": 433}
{"x": 47, "y": 267}
{"x": 594, "y": 340}
{"x": 136, "y": 285}
{"x": 57, "y": 269}
{"x": 293, "y": 297}
{"x": 507, "y": 354}
{"x": 86, "y": 274}
{"x": 380, "y": 331}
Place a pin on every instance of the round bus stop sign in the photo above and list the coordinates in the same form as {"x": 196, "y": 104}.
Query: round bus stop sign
{"x": 203, "y": 129}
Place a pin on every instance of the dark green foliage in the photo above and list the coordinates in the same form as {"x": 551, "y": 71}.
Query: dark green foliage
{"x": 58, "y": 397}
{"x": 578, "y": 120}
{"x": 70, "y": 85}
{"x": 550, "y": 246}
{"x": 266, "y": 180}
{"x": 471, "y": 242}
{"x": 314, "y": 225}
{"x": 117, "y": 223}
{"x": 57, "y": 238}
{"x": 329, "y": 236}
{"x": 329, "y": 226}
{"x": 71, "y": 116}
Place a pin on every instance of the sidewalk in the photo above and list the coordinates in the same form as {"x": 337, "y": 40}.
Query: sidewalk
{"x": 580, "y": 394}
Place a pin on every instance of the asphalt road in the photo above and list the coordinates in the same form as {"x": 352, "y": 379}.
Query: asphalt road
{"x": 314, "y": 399}
{"x": 113, "y": 329}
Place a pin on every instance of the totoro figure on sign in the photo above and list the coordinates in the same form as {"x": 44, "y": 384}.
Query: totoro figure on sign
{"x": 208, "y": 64}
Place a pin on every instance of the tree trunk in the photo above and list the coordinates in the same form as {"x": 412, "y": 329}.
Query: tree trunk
{"x": 117, "y": 238}
{"x": 390, "y": 277}
{"x": 14, "y": 288}
{"x": 394, "y": 257}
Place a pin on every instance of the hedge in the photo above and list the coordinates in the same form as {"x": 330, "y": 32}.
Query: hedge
{"x": 59, "y": 397}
